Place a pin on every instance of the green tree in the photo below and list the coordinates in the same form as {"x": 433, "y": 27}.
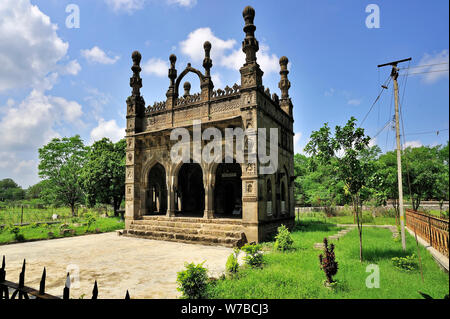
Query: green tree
{"x": 422, "y": 172}
{"x": 347, "y": 148}
{"x": 61, "y": 162}
{"x": 10, "y": 190}
{"x": 35, "y": 191}
{"x": 103, "y": 174}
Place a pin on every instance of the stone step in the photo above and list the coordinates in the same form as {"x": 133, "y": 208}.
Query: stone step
{"x": 183, "y": 237}
{"x": 185, "y": 230}
{"x": 230, "y": 221}
{"x": 187, "y": 225}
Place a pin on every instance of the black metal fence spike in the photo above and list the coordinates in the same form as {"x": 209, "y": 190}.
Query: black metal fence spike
{"x": 22, "y": 276}
{"x": 127, "y": 296}
{"x": 42, "y": 283}
{"x": 2, "y": 270}
{"x": 66, "y": 291}
{"x": 95, "y": 291}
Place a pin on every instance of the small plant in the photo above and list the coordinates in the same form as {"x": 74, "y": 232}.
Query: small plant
{"x": 328, "y": 262}
{"x": 407, "y": 263}
{"x": 34, "y": 225}
{"x": 17, "y": 235}
{"x": 193, "y": 282}
{"x": 283, "y": 239}
{"x": 254, "y": 256}
{"x": 90, "y": 219}
{"x": 232, "y": 265}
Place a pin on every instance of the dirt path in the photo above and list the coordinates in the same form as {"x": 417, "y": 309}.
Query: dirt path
{"x": 147, "y": 268}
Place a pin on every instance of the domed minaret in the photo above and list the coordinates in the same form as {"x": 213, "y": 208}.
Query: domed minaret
{"x": 284, "y": 85}
{"x": 135, "y": 102}
{"x": 251, "y": 74}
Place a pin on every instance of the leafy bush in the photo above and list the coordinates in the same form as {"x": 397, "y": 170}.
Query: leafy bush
{"x": 17, "y": 235}
{"x": 328, "y": 261}
{"x": 283, "y": 239}
{"x": 407, "y": 263}
{"x": 193, "y": 282}
{"x": 232, "y": 265}
{"x": 90, "y": 219}
{"x": 254, "y": 256}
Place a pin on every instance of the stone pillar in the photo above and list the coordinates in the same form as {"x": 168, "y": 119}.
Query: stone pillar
{"x": 170, "y": 196}
{"x": 209, "y": 201}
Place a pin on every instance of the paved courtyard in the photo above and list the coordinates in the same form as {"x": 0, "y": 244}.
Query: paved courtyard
{"x": 147, "y": 268}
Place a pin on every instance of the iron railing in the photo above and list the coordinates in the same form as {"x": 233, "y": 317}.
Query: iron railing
{"x": 20, "y": 291}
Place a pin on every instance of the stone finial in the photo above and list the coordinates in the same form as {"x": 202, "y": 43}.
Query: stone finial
{"x": 250, "y": 45}
{"x": 207, "y": 62}
{"x": 284, "y": 83}
{"x": 135, "y": 80}
{"x": 187, "y": 88}
{"x": 172, "y": 70}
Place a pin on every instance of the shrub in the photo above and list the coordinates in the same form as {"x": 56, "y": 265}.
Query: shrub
{"x": 193, "y": 282}
{"x": 407, "y": 263}
{"x": 232, "y": 265}
{"x": 254, "y": 256}
{"x": 17, "y": 235}
{"x": 90, "y": 219}
{"x": 283, "y": 239}
{"x": 328, "y": 261}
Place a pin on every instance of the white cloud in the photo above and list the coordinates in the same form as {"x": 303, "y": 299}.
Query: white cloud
{"x": 128, "y": 6}
{"x": 97, "y": 100}
{"x": 29, "y": 45}
{"x": 183, "y": 3}
{"x": 193, "y": 45}
{"x": 412, "y": 144}
{"x": 156, "y": 66}
{"x": 72, "y": 68}
{"x": 217, "y": 80}
{"x": 97, "y": 55}
{"x": 108, "y": 129}
{"x": 438, "y": 60}
{"x": 23, "y": 172}
{"x": 31, "y": 124}
{"x": 354, "y": 102}
{"x": 224, "y": 52}
{"x": 297, "y": 148}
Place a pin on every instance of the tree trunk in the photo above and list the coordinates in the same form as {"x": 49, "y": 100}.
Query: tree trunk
{"x": 72, "y": 207}
{"x": 115, "y": 205}
{"x": 359, "y": 224}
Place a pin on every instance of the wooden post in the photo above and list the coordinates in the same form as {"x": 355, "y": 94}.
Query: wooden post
{"x": 429, "y": 230}
{"x": 21, "y": 217}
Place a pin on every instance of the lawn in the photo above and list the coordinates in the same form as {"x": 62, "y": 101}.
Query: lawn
{"x": 297, "y": 274}
{"x": 80, "y": 227}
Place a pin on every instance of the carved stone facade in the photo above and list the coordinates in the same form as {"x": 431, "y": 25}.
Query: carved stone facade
{"x": 229, "y": 192}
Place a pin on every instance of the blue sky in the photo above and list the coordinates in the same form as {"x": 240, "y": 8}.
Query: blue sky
{"x": 57, "y": 81}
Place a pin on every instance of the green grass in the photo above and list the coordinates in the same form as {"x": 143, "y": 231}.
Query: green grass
{"x": 36, "y": 232}
{"x": 368, "y": 219}
{"x": 297, "y": 274}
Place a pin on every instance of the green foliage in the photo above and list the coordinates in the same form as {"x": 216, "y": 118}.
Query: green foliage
{"x": 407, "y": 263}
{"x": 90, "y": 219}
{"x": 193, "y": 281}
{"x": 232, "y": 264}
{"x": 16, "y": 231}
{"x": 283, "y": 239}
{"x": 103, "y": 175}
{"x": 10, "y": 191}
{"x": 254, "y": 257}
{"x": 61, "y": 161}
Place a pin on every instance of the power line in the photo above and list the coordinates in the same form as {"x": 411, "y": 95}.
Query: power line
{"x": 444, "y": 70}
{"x": 423, "y": 66}
{"x": 428, "y": 132}
{"x": 383, "y": 87}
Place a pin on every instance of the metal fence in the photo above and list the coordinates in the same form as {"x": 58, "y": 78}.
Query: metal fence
{"x": 432, "y": 229}
{"x": 11, "y": 290}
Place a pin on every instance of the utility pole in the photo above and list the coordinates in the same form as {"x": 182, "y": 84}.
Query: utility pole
{"x": 394, "y": 76}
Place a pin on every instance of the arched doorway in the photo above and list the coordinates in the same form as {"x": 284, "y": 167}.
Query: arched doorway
{"x": 157, "y": 191}
{"x": 228, "y": 191}
{"x": 190, "y": 192}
